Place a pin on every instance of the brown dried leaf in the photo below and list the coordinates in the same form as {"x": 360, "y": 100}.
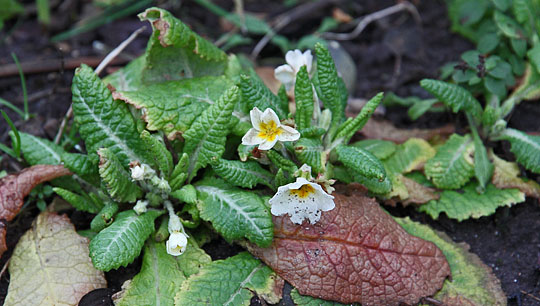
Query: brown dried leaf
{"x": 355, "y": 253}
{"x": 51, "y": 266}
{"x": 418, "y": 193}
{"x": 506, "y": 175}
{"x": 267, "y": 76}
{"x": 14, "y": 187}
{"x": 383, "y": 129}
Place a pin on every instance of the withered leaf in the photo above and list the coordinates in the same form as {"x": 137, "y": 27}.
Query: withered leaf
{"x": 356, "y": 253}
{"x": 385, "y": 130}
{"x": 51, "y": 266}
{"x": 14, "y": 187}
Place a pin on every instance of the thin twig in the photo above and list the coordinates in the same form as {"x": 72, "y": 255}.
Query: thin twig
{"x": 114, "y": 53}
{"x": 4, "y": 268}
{"x": 111, "y": 56}
{"x": 366, "y": 20}
{"x": 286, "y": 18}
{"x": 530, "y": 295}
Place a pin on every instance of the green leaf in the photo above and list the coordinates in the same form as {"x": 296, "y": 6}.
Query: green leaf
{"x": 311, "y": 152}
{"x": 495, "y": 86}
{"x": 127, "y": 78}
{"x": 472, "y": 281}
{"x": 10, "y": 8}
{"x": 193, "y": 259}
{"x": 452, "y": 166}
{"x": 103, "y": 122}
{"x": 508, "y": 26}
{"x": 409, "y": 156}
{"x": 175, "y": 52}
{"x": 502, "y": 5}
{"x": 525, "y": 147}
{"x": 522, "y": 10}
{"x": 382, "y": 149}
{"x": 453, "y": 96}
{"x": 328, "y": 83}
{"x": 172, "y": 106}
{"x": 179, "y": 173}
{"x": 235, "y": 213}
{"x": 105, "y": 217}
{"x": 347, "y": 129}
{"x": 312, "y": 132}
{"x": 256, "y": 94}
{"x": 303, "y": 96}
{"x": 207, "y": 135}
{"x": 116, "y": 178}
{"x": 519, "y": 46}
{"x": 121, "y": 242}
{"x": 483, "y": 168}
{"x": 534, "y": 56}
{"x": 186, "y": 194}
{"x": 243, "y": 174}
{"x": 80, "y": 164}
{"x": 281, "y": 162}
{"x": 362, "y": 162}
{"x": 228, "y": 282}
{"x": 421, "y": 107}
{"x": 157, "y": 282}
{"x": 162, "y": 157}
{"x": 374, "y": 185}
{"x": 80, "y": 202}
{"x": 306, "y": 300}
{"x": 468, "y": 203}
{"x": 40, "y": 151}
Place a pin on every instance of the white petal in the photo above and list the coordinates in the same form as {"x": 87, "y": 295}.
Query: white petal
{"x": 295, "y": 59}
{"x": 251, "y": 138}
{"x": 255, "y": 116}
{"x": 308, "y": 60}
{"x": 285, "y": 74}
{"x": 280, "y": 202}
{"x": 270, "y": 115}
{"x": 300, "y": 181}
{"x": 267, "y": 145}
{"x": 305, "y": 168}
{"x": 288, "y": 134}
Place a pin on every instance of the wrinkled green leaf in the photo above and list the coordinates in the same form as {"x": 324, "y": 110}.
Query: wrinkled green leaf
{"x": 525, "y": 147}
{"x": 256, "y": 94}
{"x": 347, "y": 129}
{"x": 328, "y": 83}
{"x": 362, "y": 162}
{"x": 311, "y": 152}
{"x": 127, "y": 78}
{"x": 303, "y": 96}
{"x": 116, "y": 178}
{"x": 453, "y": 96}
{"x": 235, "y": 213}
{"x": 483, "y": 168}
{"x": 193, "y": 259}
{"x": 82, "y": 203}
{"x": 382, "y": 149}
{"x": 242, "y": 174}
{"x": 162, "y": 157}
{"x": 121, "y": 242}
{"x": 409, "y": 156}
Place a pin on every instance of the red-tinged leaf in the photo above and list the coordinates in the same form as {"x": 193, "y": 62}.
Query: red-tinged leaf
{"x": 14, "y": 187}
{"x": 385, "y": 130}
{"x": 356, "y": 253}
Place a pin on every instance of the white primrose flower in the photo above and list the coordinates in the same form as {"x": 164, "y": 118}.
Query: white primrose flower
{"x": 301, "y": 199}
{"x": 140, "y": 207}
{"x": 267, "y": 130}
{"x": 295, "y": 59}
{"x": 141, "y": 172}
{"x": 176, "y": 245}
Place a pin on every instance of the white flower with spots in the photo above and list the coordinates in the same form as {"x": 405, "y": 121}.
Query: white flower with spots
{"x": 301, "y": 199}
{"x": 267, "y": 130}
{"x": 176, "y": 245}
{"x": 286, "y": 74}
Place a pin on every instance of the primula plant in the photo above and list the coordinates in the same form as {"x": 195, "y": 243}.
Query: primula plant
{"x": 186, "y": 143}
{"x": 485, "y": 87}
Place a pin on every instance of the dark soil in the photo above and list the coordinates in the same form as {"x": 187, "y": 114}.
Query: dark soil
{"x": 393, "y": 54}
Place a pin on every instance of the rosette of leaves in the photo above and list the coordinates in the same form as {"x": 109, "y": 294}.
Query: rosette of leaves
{"x": 181, "y": 109}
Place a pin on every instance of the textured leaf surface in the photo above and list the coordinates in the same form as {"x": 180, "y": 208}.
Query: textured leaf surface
{"x": 328, "y": 83}
{"x": 473, "y": 283}
{"x": 453, "y": 165}
{"x": 40, "y": 151}
{"x": 355, "y": 253}
{"x": 80, "y": 202}
{"x": 349, "y": 128}
{"x": 256, "y": 94}
{"x": 156, "y": 283}
{"x": 175, "y": 52}
{"x": 50, "y": 265}
{"x": 172, "y": 106}
{"x": 506, "y": 175}
{"x": 235, "y": 213}
{"x": 525, "y": 147}
{"x": 243, "y": 174}
{"x": 362, "y": 162}
{"x": 121, "y": 242}
{"x": 206, "y": 138}
{"x": 306, "y": 300}
{"x": 453, "y": 96}
{"x": 193, "y": 259}
{"x": 382, "y": 149}
{"x": 127, "y": 78}
{"x": 303, "y": 96}
{"x": 162, "y": 157}
{"x": 116, "y": 178}
{"x": 310, "y": 151}
{"x": 409, "y": 156}
{"x": 104, "y": 123}
{"x": 228, "y": 282}
{"x": 470, "y": 204}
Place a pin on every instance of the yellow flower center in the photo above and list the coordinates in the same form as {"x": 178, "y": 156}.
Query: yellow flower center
{"x": 304, "y": 191}
{"x": 269, "y": 131}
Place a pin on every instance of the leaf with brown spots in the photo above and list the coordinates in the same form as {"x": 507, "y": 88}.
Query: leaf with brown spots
{"x": 14, "y": 187}
{"x": 356, "y": 253}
